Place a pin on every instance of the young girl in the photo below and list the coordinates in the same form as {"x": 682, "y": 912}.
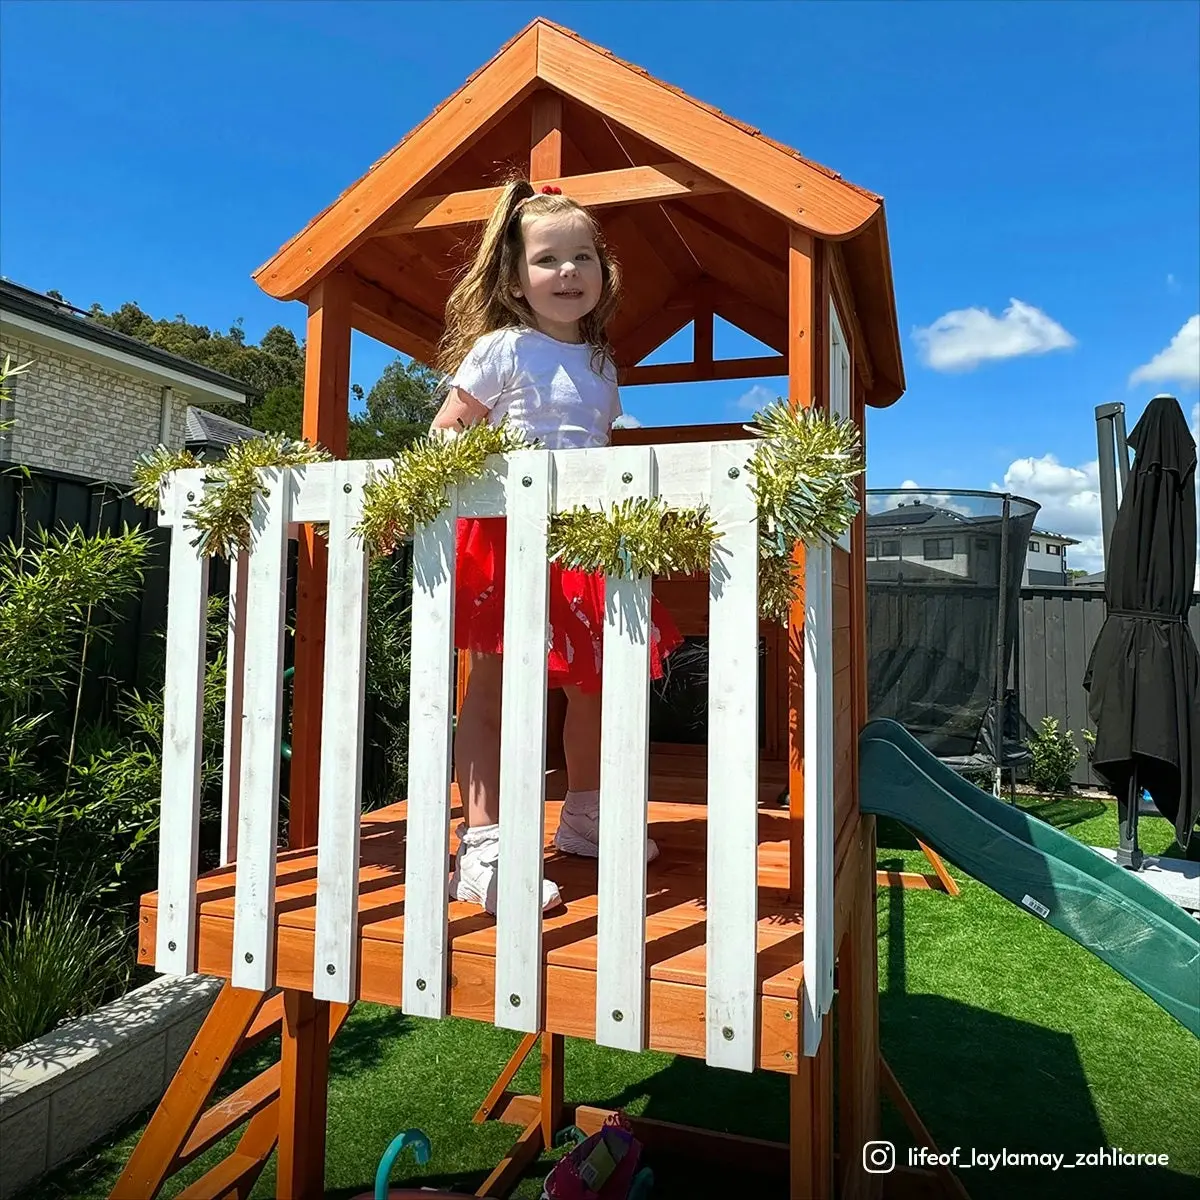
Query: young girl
{"x": 525, "y": 337}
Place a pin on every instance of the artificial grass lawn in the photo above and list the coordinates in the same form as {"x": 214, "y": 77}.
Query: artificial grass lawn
{"x": 1003, "y": 1032}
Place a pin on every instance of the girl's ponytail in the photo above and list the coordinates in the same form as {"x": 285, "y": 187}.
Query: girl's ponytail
{"x": 481, "y": 300}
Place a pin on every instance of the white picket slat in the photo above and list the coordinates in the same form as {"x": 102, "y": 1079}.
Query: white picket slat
{"x": 731, "y": 1028}
{"x": 523, "y": 743}
{"x": 427, "y": 844}
{"x": 335, "y": 954}
{"x": 624, "y": 783}
{"x": 262, "y": 728}
{"x": 235, "y": 667}
{"x": 818, "y": 792}
{"x": 183, "y": 716}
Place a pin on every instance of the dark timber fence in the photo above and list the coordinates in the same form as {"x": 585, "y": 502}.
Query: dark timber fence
{"x": 1059, "y": 627}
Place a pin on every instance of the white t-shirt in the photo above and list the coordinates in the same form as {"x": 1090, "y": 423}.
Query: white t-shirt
{"x": 546, "y": 388}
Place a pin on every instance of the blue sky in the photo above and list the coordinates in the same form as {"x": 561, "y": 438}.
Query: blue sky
{"x": 1039, "y": 163}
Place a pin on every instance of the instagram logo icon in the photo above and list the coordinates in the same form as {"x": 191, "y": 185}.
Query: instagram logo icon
{"x": 879, "y": 1158}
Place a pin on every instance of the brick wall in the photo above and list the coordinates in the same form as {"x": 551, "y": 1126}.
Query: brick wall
{"x": 76, "y": 416}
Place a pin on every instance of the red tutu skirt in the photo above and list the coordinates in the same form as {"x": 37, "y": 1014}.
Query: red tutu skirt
{"x": 576, "y": 610}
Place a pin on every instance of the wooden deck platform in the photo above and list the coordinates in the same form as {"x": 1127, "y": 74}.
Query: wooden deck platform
{"x": 675, "y": 931}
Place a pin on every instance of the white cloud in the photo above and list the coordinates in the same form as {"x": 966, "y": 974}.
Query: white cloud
{"x": 1196, "y": 421}
{"x": 911, "y": 492}
{"x": 1070, "y": 500}
{"x": 961, "y": 340}
{"x": 757, "y": 397}
{"x": 1172, "y": 283}
{"x": 1178, "y": 363}
{"x": 627, "y": 421}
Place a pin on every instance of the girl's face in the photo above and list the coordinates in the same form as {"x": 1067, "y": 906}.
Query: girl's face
{"x": 558, "y": 273}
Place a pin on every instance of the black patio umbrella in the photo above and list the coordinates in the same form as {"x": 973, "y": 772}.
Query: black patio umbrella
{"x": 1144, "y": 675}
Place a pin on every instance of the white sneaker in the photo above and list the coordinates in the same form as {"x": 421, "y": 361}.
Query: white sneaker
{"x": 475, "y": 866}
{"x": 579, "y": 833}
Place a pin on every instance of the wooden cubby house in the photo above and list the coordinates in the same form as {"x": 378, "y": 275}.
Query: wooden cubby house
{"x": 725, "y": 947}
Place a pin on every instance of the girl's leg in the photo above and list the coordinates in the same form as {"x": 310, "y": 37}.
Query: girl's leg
{"x": 477, "y": 766}
{"x": 477, "y": 742}
{"x": 579, "y": 824}
{"x": 581, "y": 740}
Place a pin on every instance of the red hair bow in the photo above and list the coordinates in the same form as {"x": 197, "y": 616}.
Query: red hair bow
{"x": 550, "y": 190}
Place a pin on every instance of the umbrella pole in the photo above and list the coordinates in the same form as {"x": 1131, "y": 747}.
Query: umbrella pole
{"x": 1129, "y": 854}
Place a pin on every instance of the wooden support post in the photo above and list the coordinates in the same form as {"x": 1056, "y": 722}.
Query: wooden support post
{"x": 153, "y": 1159}
{"x": 803, "y": 306}
{"x": 552, "y": 1086}
{"x": 811, "y": 1123}
{"x": 702, "y": 342}
{"x": 951, "y": 1184}
{"x": 303, "y": 1088}
{"x": 546, "y": 136}
{"x": 326, "y": 421}
{"x": 858, "y": 1035}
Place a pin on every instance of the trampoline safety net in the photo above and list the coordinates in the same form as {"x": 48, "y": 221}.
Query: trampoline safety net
{"x": 944, "y": 573}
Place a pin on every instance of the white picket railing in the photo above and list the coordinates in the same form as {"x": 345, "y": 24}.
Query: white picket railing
{"x": 527, "y": 487}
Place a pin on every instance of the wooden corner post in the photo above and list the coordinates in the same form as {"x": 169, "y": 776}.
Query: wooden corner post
{"x": 811, "y": 1088}
{"x": 304, "y": 1060}
{"x": 803, "y": 375}
{"x": 327, "y": 423}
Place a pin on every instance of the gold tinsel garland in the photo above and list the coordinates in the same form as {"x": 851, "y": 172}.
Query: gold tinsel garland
{"x": 804, "y": 470}
{"x": 222, "y": 517}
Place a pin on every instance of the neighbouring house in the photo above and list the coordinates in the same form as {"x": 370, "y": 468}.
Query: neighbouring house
{"x": 209, "y": 435}
{"x": 922, "y": 542}
{"x": 94, "y": 399}
{"x": 1046, "y": 559}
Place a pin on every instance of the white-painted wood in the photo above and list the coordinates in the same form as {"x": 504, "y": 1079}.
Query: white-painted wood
{"x": 335, "y": 957}
{"x": 262, "y": 728}
{"x": 183, "y": 718}
{"x": 582, "y": 476}
{"x": 624, "y": 783}
{"x": 731, "y": 1033}
{"x": 427, "y": 844}
{"x": 840, "y": 377}
{"x": 235, "y": 667}
{"x": 817, "y": 993}
{"x": 523, "y": 743}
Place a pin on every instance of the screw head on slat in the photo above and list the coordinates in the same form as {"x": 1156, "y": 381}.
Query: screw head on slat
{"x": 618, "y": 1015}
{"x": 191, "y": 495}
{"x": 727, "y": 1033}
{"x": 734, "y": 472}
{"x": 627, "y": 477}
{"x": 171, "y": 946}
{"x": 420, "y": 985}
{"x": 347, "y": 488}
{"x": 249, "y": 957}
{"x": 330, "y": 969}
{"x": 527, "y": 481}
{"x": 515, "y": 1000}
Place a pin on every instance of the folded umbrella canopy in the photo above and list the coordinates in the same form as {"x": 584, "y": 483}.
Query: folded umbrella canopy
{"x": 1144, "y": 675}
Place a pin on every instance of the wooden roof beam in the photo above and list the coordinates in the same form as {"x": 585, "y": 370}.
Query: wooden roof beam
{"x": 377, "y": 313}
{"x": 844, "y": 296}
{"x": 700, "y": 372}
{"x": 599, "y": 189}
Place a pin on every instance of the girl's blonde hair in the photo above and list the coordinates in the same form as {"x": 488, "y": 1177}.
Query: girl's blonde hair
{"x": 482, "y": 301}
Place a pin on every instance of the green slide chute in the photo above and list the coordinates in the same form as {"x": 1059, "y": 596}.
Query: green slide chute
{"x": 1052, "y": 876}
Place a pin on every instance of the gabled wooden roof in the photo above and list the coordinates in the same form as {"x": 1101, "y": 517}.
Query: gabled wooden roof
{"x": 717, "y": 241}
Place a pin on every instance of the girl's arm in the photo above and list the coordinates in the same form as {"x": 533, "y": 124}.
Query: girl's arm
{"x": 459, "y": 409}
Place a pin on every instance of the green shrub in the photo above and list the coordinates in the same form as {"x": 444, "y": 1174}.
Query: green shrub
{"x": 58, "y": 959}
{"x": 1054, "y": 757}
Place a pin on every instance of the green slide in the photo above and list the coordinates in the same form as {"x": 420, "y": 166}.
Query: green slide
{"x": 1104, "y": 907}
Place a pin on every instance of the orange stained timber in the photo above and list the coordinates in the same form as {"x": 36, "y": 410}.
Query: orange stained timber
{"x": 675, "y": 931}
